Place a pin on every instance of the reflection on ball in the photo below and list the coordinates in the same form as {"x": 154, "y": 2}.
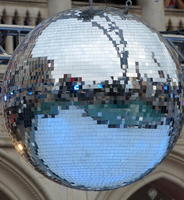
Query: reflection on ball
{"x": 93, "y": 98}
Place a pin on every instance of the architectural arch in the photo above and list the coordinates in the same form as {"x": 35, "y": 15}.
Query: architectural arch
{"x": 159, "y": 189}
{"x": 171, "y": 170}
{"x": 16, "y": 183}
{"x": 39, "y": 18}
{"x": 4, "y": 15}
{"x": 3, "y": 196}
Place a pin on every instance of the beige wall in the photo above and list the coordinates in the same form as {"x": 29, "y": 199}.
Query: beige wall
{"x": 153, "y": 13}
{"x": 22, "y": 6}
{"x": 55, "y": 6}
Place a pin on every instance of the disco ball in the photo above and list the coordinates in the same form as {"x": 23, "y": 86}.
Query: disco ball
{"x": 93, "y": 98}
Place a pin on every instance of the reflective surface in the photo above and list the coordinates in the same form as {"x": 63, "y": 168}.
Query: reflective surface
{"x": 93, "y": 98}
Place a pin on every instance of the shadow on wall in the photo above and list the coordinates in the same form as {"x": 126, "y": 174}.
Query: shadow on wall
{"x": 159, "y": 189}
{"x": 3, "y": 196}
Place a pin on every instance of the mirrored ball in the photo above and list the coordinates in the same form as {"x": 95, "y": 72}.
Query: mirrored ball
{"x": 92, "y": 98}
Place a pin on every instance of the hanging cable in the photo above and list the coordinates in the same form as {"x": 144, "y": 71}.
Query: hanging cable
{"x": 128, "y": 5}
{"x": 90, "y": 4}
{"x": 105, "y": 3}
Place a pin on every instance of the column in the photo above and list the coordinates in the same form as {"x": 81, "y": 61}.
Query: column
{"x": 20, "y": 22}
{"x": 55, "y": 6}
{"x": 153, "y": 13}
{"x": 9, "y": 39}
